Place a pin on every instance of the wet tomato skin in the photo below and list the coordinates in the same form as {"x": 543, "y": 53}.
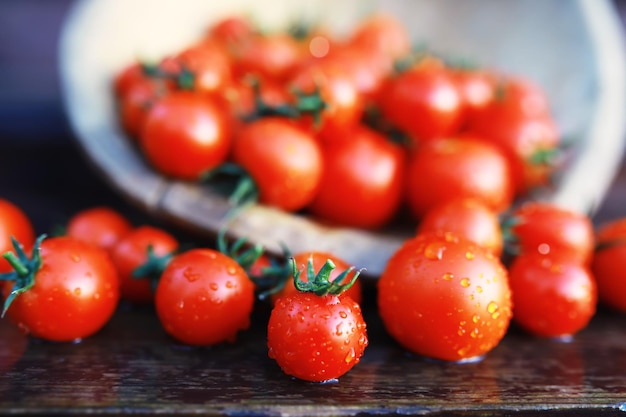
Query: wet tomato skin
{"x": 554, "y": 295}
{"x": 204, "y": 298}
{"x": 76, "y": 292}
{"x": 316, "y": 338}
{"x": 444, "y": 297}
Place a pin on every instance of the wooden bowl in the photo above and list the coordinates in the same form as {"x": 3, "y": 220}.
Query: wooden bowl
{"x": 573, "y": 49}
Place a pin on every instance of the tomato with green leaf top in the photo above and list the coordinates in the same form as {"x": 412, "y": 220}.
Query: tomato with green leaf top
{"x": 14, "y": 222}
{"x": 314, "y": 334}
{"x": 102, "y": 226}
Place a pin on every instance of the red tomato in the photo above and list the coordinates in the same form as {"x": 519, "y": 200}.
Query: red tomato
{"x": 271, "y": 56}
{"x": 318, "y": 260}
{"x": 134, "y": 104}
{"x": 316, "y": 337}
{"x": 284, "y": 161}
{"x": 101, "y": 226}
{"x": 204, "y": 298}
{"x": 13, "y": 223}
{"x": 455, "y": 167}
{"x": 209, "y": 65}
{"x": 382, "y": 33}
{"x": 231, "y": 30}
{"x": 553, "y": 295}
{"x": 74, "y": 292}
{"x": 185, "y": 135}
{"x": 609, "y": 263}
{"x": 344, "y": 105}
{"x": 142, "y": 245}
{"x": 363, "y": 180}
{"x": 423, "y": 101}
{"x": 546, "y": 228}
{"x": 468, "y": 218}
{"x": 444, "y": 297}
{"x": 477, "y": 89}
{"x": 518, "y": 120}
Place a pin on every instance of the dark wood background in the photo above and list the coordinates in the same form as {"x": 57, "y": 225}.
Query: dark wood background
{"x": 132, "y": 368}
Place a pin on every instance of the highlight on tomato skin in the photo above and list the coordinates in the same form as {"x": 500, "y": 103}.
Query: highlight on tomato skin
{"x": 444, "y": 297}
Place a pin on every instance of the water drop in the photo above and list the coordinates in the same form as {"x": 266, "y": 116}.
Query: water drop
{"x": 77, "y": 291}
{"x": 434, "y": 251}
{"x": 448, "y": 276}
{"x": 75, "y": 257}
{"x": 231, "y": 270}
{"x": 475, "y": 318}
{"x": 465, "y": 282}
{"x": 479, "y": 289}
{"x": 469, "y": 255}
{"x": 543, "y": 248}
{"x": 492, "y": 307}
{"x": 229, "y": 284}
{"x": 350, "y": 355}
{"x": 214, "y": 286}
{"x": 343, "y": 314}
{"x": 96, "y": 296}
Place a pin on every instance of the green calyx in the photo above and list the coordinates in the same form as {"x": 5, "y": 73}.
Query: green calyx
{"x": 239, "y": 251}
{"x": 305, "y": 104}
{"x": 235, "y": 182}
{"x": 24, "y": 270}
{"x": 319, "y": 283}
{"x": 184, "y": 78}
{"x": 153, "y": 267}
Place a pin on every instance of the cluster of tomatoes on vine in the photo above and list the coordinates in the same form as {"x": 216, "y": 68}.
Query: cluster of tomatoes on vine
{"x": 349, "y": 129}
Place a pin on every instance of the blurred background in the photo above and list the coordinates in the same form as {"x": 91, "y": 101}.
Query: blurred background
{"x": 30, "y": 100}
{"x": 33, "y": 125}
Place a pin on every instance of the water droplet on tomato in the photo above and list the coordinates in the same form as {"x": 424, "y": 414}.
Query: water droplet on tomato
{"x": 231, "y": 270}
{"x": 77, "y": 291}
{"x": 338, "y": 330}
{"x": 479, "y": 289}
{"x": 448, "y": 276}
{"x": 543, "y": 248}
{"x": 229, "y": 284}
{"x": 96, "y": 296}
{"x": 475, "y": 318}
{"x": 75, "y": 257}
{"x": 470, "y": 255}
{"x": 343, "y": 314}
{"x": 214, "y": 286}
{"x": 434, "y": 251}
{"x": 181, "y": 304}
{"x": 465, "y": 282}
{"x": 350, "y": 356}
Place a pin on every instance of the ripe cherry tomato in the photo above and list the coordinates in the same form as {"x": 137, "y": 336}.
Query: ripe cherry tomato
{"x": 272, "y": 56}
{"x": 382, "y": 33}
{"x": 450, "y": 168}
{"x": 318, "y": 259}
{"x": 134, "y": 104}
{"x": 518, "y": 121}
{"x": 363, "y": 180}
{"x": 315, "y": 337}
{"x": 609, "y": 263}
{"x": 343, "y": 102}
{"x": 284, "y": 161}
{"x": 444, "y": 297}
{"x": 209, "y": 65}
{"x": 146, "y": 247}
{"x": 204, "y": 298}
{"x": 477, "y": 88}
{"x": 69, "y": 290}
{"x": 423, "y": 101}
{"x": 185, "y": 135}
{"x": 13, "y": 222}
{"x": 101, "y": 226}
{"x": 554, "y": 295}
{"x": 545, "y": 228}
{"x": 231, "y": 30}
{"x": 468, "y": 218}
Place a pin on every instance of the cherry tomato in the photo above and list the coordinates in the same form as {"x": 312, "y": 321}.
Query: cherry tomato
{"x": 284, "y": 161}
{"x": 609, "y": 263}
{"x": 231, "y": 30}
{"x": 272, "y": 56}
{"x": 423, "y": 101}
{"x": 363, "y": 180}
{"x": 74, "y": 292}
{"x": 553, "y": 295}
{"x": 101, "y": 226}
{"x": 148, "y": 247}
{"x": 343, "y": 102}
{"x": 382, "y": 33}
{"x": 450, "y": 168}
{"x": 13, "y": 222}
{"x": 185, "y": 135}
{"x": 209, "y": 65}
{"x": 134, "y": 104}
{"x": 315, "y": 337}
{"x": 468, "y": 218}
{"x": 545, "y": 228}
{"x": 318, "y": 259}
{"x": 444, "y": 297}
{"x": 477, "y": 88}
{"x": 518, "y": 120}
{"x": 204, "y": 298}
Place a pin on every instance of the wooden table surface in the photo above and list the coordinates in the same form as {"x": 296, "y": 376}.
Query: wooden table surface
{"x": 132, "y": 367}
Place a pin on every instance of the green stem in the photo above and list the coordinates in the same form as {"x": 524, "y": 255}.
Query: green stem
{"x": 17, "y": 265}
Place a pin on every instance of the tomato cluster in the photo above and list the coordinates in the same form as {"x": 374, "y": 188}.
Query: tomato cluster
{"x": 350, "y": 130}
{"x": 353, "y": 131}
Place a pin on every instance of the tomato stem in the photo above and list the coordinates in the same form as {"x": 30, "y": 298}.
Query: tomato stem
{"x": 153, "y": 267}
{"x": 24, "y": 269}
{"x": 244, "y": 258}
{"x": 319, "y": 283}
